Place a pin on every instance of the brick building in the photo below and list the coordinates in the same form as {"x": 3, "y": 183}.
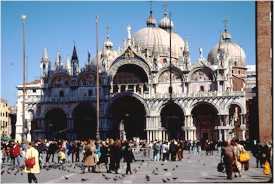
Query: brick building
{"x": 264, "y": 57}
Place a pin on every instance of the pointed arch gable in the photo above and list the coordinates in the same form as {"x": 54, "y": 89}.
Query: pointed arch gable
{"x": 175, "y": 71}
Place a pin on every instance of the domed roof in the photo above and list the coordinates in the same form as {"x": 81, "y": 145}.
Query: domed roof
{"x": 165, "y": 22}
{"x": 151, "y": 21}
{"x": 157, "y": 39}
{"x": 231, "y": 49}
{"x": 152, "y": 37}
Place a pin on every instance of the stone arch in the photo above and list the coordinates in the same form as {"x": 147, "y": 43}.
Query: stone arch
{"x": 194, "y": 104}
{"x": 204, "y": 69}
{"x": 236, "y": 103}
{"x": 172, "y": 119}
{"x": 128, "y": 115}
{"x": 47, "y": 109}
{"x": 160, "y": 107}
{"x": 177, "y": 71}
{"x": 85, "y": 120}
{"x": 87, "y": 78}
{"x": 204, "y": 116}
{"x": 119, "y": 95}
{"x": 56, "y": 123}
{"x": 60, "y": 79}
{"x": 133, "y": 61}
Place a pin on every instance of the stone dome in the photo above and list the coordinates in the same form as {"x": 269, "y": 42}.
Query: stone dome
{"x": 158, "y": 40}
{"x": 151, "y": 21}
{"x": 165, "y": 23}
{"x": 232, "y": 50}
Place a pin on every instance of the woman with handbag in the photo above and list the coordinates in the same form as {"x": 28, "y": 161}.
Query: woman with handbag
{"x": 32, "y": 163}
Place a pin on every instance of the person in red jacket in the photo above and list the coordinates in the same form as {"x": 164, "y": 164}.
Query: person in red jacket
{"x": 16, "y": 154}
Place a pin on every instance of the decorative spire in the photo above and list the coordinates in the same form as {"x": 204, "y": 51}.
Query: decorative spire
{"x": 225, "y": 24}
{"x": 68, "y": 65}
{"x": 74, "y": 62}
{"x": 151, "y": 21}
{"x": 45, "y": 54}
{"x": 89, "y": 57}
{"x": 165, "y": 22}
{"x": 108, "y": 43}
{"x": 74, "y": 55}
{"x": 129, "y": 32}
{"x": 58, "y": 59}
{"x": 165, "y": 8}
{"x": 226, "y": 35}
{"x": 201, "y": 53}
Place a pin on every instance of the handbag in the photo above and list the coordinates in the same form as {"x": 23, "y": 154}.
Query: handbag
{"x": 30, "y": 162}
{"x": 267, "y": 168}
{"x": 244, "y": 156}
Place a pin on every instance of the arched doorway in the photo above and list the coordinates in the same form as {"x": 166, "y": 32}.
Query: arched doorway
{"x": 84, "y": 116}
{"x": 56, "y": 124}
{"x": 205, "y": 119}
{"x": 172, "y": 118}
{"x": 128, "y": 118}
{"x": 235, "y": 119}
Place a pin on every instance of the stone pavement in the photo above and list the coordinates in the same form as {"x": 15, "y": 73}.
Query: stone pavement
{"x": 193, "y": 168}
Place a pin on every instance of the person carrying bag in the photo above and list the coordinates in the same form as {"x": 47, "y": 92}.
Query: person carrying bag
{"x": 32, "y": 163}
{"x": 266, "y": 168}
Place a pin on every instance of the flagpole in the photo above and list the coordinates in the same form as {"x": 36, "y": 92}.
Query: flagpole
{"x": 170, "y": 59}
{"x": 97, "y": 84}
{"x": 24, "y": 128}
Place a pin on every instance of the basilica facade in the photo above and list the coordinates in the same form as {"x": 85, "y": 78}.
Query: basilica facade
{"x": 207, "y": 101}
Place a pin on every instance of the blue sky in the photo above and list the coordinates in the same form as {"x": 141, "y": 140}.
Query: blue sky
{"x": 59, "y": 24}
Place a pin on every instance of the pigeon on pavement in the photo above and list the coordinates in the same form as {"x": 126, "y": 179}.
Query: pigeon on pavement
{"x": 147, "y": 177}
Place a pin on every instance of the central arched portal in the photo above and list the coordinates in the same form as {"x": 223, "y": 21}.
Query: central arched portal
{"x": 56, "y": 124}
{"x": 172, "y": 119}
{"x": 84, "y": 116}
{"x": 128, "y": 118}
{"x": 205, "y": 119}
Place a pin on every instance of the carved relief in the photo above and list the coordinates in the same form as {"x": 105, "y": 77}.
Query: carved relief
{"x": 201, "y": 75}
{"x": 165, "y": 77}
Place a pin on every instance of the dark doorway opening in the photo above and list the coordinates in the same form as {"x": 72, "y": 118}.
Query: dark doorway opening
{"x": 205, "y": 119}
{"x": 56, "y": 124}
{"x": 172, "y": 118}
{"x": 84, "y": 116}
{"x": 130, "y": 112}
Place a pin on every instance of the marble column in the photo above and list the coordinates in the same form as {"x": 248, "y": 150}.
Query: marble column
{"x": 220, "y": 135}
{"x": 225, "y": 134}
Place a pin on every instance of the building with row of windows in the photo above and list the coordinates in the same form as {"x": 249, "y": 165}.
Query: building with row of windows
{"x": 5, "y": 120}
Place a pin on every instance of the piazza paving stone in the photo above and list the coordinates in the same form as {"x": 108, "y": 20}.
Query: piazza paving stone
{"x": 193, "y": 168}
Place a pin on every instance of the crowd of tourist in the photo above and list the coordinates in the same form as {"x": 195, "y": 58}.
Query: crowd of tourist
{"x": 106, "y": 155}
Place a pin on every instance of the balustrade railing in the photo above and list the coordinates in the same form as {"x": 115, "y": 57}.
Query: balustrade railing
{"x": 141, "y": 89}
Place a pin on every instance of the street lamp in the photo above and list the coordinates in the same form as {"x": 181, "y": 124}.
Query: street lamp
{"x": 25, "y": 126}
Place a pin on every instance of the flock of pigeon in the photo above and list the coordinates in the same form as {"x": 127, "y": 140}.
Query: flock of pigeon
{"x": 76, "y": 168}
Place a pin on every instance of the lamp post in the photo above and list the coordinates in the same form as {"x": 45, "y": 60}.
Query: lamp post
{"x": 97, "y": 84}
{"x": 25, "y": 129}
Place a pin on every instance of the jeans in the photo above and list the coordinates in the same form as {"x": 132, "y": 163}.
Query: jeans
{"x": 17, "y": 161}
{"x": 128, "y": 168}
{"x": 156, "y": 156}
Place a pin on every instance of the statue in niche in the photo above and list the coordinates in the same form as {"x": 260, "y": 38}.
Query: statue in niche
{"x": 129, "y": 53}
{"x": 155, "y": 64}
{"x": 236, "y": 115}
{"x": 221, "y": 56}
{"x": 122, "y": 130}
